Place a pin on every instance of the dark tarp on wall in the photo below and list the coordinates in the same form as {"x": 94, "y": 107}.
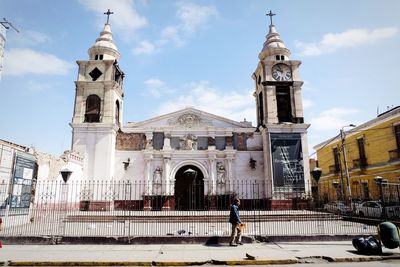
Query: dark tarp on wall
{"x": 287, "y": 160}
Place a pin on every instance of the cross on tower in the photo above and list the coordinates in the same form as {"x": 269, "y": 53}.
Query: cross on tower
{"x": 270, "y": 14}
{"x": 108, "y": 13}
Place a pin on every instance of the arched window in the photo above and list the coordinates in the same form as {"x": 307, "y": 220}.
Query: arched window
{"x": 92, "y": 113}
{"x": 117, "y": 113}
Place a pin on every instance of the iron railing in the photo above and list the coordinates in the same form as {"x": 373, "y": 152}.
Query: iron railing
{"x": 130, "y": 209}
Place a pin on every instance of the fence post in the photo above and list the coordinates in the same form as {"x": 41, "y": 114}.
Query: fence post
{"x": 378, "y": 180}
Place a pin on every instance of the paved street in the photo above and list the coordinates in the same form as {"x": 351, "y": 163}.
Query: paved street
{"x": 301, "y": 222}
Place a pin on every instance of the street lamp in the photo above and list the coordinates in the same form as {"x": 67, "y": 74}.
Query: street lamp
{"x": 316, "y": 174}
{"x": 346, "y": 169}
{"x": 378, "y": 181}
{"x": 65, "y": 174}
{"x": 336, "y": 186}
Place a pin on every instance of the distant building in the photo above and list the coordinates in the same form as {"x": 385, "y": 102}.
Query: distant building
{"x": 49, "y": 166}
{"x": 22, "y": 170}
{"x": 372, "y": 149}
{"x": 18, "y": 171}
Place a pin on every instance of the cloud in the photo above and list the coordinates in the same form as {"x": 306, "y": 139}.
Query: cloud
{"x": 35, "y": 86}
{"x": 126, "y": 19}
{"x": 232, "y": 105}
{"x": 19, "y": 62}
{"x": 333, "y": 119}
{"x": 29, "y": 38}
{"x": 157, "y": 88}
{"x": 332, "y": 42}
{"x": 171, "y": 33}
{"x": 307, "y": 103}
{"x": 190, "y": 18}
{"x": 145, "y": 47}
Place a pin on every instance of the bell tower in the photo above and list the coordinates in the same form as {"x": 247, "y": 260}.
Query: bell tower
{"x": 98, "y": 106}
{"x": 278, "y": 83}
{"x": 280, "y": 118}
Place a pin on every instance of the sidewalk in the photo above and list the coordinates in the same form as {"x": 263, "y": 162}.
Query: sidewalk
{"x": 185, "y": 254}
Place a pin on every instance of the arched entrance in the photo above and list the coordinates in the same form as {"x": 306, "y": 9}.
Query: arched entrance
{"x": 189, "y": 188}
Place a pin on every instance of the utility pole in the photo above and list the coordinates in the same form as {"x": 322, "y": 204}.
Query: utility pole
{"x": 346, "y": 169}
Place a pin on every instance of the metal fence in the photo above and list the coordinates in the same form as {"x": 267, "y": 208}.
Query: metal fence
{"x": 327, "y": 191}
{"x": 132, "y": 209}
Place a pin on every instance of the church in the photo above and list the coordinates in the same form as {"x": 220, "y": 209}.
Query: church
{"x": 191, "y": 159}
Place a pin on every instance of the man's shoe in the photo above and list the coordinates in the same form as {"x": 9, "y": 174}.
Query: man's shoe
{"x": 233, "y": 245}
{"x": 240, "y": 243}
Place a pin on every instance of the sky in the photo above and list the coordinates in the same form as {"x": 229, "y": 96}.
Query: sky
{"x": 198, "y": 53}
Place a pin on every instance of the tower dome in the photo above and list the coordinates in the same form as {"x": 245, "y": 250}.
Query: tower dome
{"x": 104, "y": 47}
{"x": 273, "y": 44}
{"x": 273, "y": 39}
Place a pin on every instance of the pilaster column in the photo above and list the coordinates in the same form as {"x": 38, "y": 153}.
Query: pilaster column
{"x": 166, "y": 176}
{"x": 169, "y": 200}
{"x": 167, "y": 141}
{"x": 306, "y": 163}
{"x": 230, "y": 157}
{"x": 230, "y": 172}
{"x": 108, "y": 104}
{"x": 271, "y": 108}
{"x": 298, "y": 102}
{"x": 82, "y": 70}
{"x": 213, "y": 174}
{"x": 268, "y": 179}
{"x": 148, "y": 176}
{"x": 149, "y": 140}
{"x": 109, "y": 70}
{"x": 255, "y": 94}
{"x": 79, "y": 109}
{"x": 148, "y": 183}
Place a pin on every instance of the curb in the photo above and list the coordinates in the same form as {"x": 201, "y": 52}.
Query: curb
{"x": 150, "y": 263}
{"x": 367, "y": 258}
{"x": 191, "y": 263}
{"x": 254, "y": 262}
{"x": 78, "y": 263}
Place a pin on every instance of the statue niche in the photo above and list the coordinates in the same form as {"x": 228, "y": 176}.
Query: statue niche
{"x": 221, "y": 173}
{"x": 188, "y": 142}
{"x": 157, "y": 176}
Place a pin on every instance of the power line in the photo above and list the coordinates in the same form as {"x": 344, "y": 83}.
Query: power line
{"x": 353, "y": 132}
{"x": 327, "y": 143}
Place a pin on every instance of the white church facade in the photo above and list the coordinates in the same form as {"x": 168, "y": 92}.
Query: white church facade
{"x": 191, "y": 159}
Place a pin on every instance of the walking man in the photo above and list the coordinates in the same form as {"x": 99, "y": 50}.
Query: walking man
{"x": 234, "y": 219}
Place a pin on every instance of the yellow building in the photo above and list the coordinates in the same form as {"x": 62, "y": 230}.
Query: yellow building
{"x": 371, "y": 149}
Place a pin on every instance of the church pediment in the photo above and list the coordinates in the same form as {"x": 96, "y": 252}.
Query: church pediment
{"x": 189, "y": 118}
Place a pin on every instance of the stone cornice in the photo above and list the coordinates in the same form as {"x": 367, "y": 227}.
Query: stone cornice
{"x": 94, "y": 127}
{"x": 287, "y": 128}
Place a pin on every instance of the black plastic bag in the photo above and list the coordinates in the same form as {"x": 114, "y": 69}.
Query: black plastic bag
{"x": 367, "y": 246}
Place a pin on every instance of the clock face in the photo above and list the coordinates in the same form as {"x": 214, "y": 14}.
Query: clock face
{"x": 281, "y": 72}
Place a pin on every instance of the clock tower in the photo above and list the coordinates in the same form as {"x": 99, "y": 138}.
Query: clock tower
{"x": 98, "y": 106}
{"x": 280, "y": 120}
